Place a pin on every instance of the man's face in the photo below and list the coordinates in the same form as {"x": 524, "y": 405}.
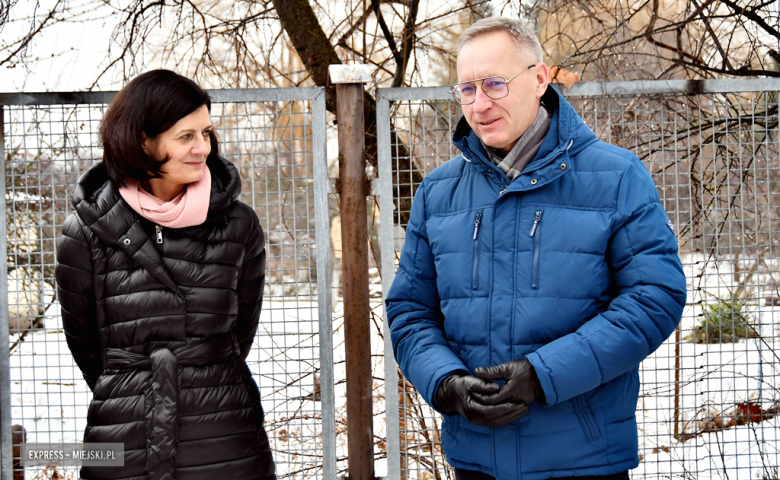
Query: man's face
{"x": 500, "y": 123}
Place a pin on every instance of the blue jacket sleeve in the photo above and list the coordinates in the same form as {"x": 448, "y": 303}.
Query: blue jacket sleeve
{"x": 651, "y": 294}
{"x": 413, "y": 309}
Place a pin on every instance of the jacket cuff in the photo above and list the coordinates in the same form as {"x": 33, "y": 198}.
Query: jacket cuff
{"x": 449, "y": 371}
{"x": 547, "y": 394}
{"x": 541, "y": 398}
{"x": 436, "y": 406}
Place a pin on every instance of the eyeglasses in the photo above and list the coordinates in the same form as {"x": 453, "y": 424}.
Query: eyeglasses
{"x": 495, "y": 87}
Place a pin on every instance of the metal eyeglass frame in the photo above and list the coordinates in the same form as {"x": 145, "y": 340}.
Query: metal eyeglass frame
{"x": 452, "y": 88}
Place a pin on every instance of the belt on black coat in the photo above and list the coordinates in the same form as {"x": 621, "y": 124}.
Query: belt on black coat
{"x": 162, "y": 398}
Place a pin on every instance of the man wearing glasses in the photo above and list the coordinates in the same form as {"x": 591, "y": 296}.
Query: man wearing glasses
{"x": 539, "y": 269}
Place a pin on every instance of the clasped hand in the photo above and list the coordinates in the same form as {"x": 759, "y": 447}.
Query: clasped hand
{"x": 484, "y": 402}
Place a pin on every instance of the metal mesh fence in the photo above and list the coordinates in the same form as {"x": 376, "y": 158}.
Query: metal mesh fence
{"x": 709, "y": 399}
{"x": 274, "y": 138}
{"x": 419, "y": 140}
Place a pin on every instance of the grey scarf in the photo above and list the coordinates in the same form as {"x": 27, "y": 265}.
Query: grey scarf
{"x": 526, "y": 148}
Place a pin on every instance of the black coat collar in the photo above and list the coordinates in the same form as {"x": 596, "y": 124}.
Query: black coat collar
{"x": 103, "y": 210}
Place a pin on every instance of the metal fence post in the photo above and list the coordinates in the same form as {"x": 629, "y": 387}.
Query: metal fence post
{"x": 322, "y": 225}
{"x": 349, "y": 81}
{"x": 6, "y": 454}
{"x": 388, "y": 274}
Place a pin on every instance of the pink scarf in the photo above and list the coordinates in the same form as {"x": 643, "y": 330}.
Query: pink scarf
{"x": 189, "y": 208}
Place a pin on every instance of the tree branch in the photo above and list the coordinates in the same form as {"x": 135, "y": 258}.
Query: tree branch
{"x": 309, "y": 40}
{"x": 316, "y": 53}
{"x": 360, "y": 21}
{"x": 726, "y": 63}
{"x": 752, "y": 16}
{"x": 33, "y": 32}
{"x": 408, "y": 44}
{"x": 387, "y": 33}
{"x": 649, "y": 35}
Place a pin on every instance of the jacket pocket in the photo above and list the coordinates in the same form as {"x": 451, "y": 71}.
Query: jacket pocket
{"x": 585, "y": 417}
{"x": 536, "y": 235}
{"x": 475, "y": 264}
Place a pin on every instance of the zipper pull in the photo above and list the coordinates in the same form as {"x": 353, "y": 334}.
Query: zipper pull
{"x": 476, "y": 225}
{"x": 536, "y": 223}
{"x": 158, "y": 229}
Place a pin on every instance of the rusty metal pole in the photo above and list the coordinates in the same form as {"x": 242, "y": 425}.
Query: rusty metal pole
{"x": 349, "y": 81}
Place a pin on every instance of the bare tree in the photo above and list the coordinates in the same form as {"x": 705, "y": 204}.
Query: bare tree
{"x": 249, "y": 43}
{"x": 662, "y": 39}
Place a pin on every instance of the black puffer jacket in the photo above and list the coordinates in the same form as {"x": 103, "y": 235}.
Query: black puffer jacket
{"x": 160, "y": 325}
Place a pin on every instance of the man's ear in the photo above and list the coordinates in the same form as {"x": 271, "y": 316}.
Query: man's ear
{"x": 542, "y": 79}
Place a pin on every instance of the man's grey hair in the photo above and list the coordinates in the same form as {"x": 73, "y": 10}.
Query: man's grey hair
{"x": 522, "y": 34}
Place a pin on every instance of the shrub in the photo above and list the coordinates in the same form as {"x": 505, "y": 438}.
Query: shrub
{"x": 724, "y": 321}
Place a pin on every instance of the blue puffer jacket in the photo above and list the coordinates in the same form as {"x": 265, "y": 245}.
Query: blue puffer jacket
{"x": 573, "y": 266}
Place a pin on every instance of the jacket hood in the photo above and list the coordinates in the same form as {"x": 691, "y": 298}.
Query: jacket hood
{"x": 101, "y": 207}
{"x": 573, "y": 134}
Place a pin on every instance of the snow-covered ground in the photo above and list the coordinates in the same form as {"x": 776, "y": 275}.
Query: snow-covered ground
{"x": 717, "y": 384}
{"x": 50, "y": 398}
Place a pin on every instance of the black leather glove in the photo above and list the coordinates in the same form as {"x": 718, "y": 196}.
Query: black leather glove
{"x": 522, "y": 384}
{"x": 456, "y": 394}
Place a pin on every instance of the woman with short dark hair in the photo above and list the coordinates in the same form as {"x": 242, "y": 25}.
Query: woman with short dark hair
{"x": 160, "y": 277}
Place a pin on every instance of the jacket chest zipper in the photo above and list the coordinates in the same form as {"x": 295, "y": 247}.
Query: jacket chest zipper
{"x": 158, "y": 231}
{"x": 477, "y": 222}
{"x": 535, "y": 234}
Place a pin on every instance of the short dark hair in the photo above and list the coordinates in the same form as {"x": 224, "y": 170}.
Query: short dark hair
{"x": 149, "y": 105}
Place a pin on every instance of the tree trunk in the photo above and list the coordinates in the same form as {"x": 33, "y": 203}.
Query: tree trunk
{"x": 317, "y": 54}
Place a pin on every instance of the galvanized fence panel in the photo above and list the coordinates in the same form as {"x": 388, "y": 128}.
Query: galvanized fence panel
{"x": 709, "y": 400}
{"x": 277, "y": 139}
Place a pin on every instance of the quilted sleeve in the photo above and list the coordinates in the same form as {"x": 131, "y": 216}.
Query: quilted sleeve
{"x": 651, "y": 293}
{"x": 77, "y": 301}
{"x": 416, "y": 320}
{"x": 250, "y": 287}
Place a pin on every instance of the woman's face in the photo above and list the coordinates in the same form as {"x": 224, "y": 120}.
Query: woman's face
{"x": 186, "y": 145}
